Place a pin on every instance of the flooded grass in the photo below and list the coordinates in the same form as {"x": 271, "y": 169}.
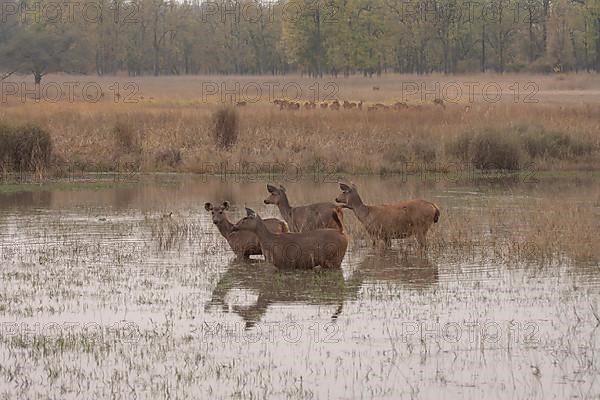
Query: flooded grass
{"x": 131, "y": 292}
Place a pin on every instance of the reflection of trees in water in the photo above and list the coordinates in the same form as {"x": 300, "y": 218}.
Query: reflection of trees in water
{"x": 323, "y": 288}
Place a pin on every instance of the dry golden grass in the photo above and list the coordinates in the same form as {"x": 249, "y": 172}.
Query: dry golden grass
{"x": 173, "y": 115}
{"x": 554, "y": 225}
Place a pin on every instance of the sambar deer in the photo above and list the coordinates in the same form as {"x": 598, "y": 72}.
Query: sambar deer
{"x": 297, "y": 250}
{"x": 439, "y": 102}
{"x": 392, "y": 221}
{"x": 243, "y": 244}
{"x": 304, "y": 218}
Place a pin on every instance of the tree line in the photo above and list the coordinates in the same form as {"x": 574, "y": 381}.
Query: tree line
{"x": 314, "y": 37}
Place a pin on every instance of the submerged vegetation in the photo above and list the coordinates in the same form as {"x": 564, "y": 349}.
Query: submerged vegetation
{"x": 133, "y": 292}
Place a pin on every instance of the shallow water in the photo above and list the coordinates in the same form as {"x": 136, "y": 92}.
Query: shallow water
{"x": 103, "y": 297}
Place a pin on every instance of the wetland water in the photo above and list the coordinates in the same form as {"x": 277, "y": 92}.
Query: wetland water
{"x": 105, "y": 297}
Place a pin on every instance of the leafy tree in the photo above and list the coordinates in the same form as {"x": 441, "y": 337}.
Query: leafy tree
{"x": 303, "y": 34}
{"x": 43, "y": 45}
{"x": 310, "y": 36}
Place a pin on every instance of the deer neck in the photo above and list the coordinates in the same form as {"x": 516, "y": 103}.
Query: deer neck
{"x": 225, "y": 227}
{"x": 262, "y": 232}
{"x": 285, "y": 209}
{"x": 360, "y": 209}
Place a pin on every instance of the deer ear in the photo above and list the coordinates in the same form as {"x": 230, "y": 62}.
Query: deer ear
{"x": 345, "y": 188}
{"x": 271, "y": 188}
{"x": 282, "y": 188}
{"x": 208, "y": 206}
{"x": 250, "y": 212}
{"x": 226, "y": 205}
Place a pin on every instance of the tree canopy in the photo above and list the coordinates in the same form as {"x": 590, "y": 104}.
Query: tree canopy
{"x": 316, "y": 37}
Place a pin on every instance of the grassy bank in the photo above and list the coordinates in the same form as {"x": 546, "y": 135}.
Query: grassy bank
{"x": 174, "y": 133}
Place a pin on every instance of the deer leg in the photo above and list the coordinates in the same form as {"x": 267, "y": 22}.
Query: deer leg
{"x": 374, "y": 241}
{"x": 421, "y": 240}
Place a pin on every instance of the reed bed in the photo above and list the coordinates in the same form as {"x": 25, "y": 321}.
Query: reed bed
{"x": 174, "y": 131}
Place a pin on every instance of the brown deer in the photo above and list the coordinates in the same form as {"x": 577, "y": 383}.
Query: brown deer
{"x": 324, "y": 105}
{"x": 304, "y": 218}
{"x": 297, "y": 250}
{"x": 241, "y": 104}
{"x": 335, "y": 105}
{"x": 283, "y": 104}
{"x": 439, "y": 102}
{"x": 243, "y": 244}
{"x": 399, "y": 106}
{"x": 311, "y": 105}
{"x": 392, "y": 221}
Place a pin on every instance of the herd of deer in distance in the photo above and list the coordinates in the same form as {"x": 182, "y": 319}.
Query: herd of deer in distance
{"x": 313, "y": 235}
{"x": 335, "y": 105}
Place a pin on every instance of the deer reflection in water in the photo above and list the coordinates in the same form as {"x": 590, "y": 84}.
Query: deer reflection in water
{"x": 327, "y": 288}
{"x": 324, "y": 288}
{"x": 397, "y": 266}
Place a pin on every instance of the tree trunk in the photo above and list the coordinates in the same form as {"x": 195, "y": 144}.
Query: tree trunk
{"x": 546, "y": 5}
{"x": 531, "y": 54}
{"x": 156, "y": 55}
{"x": 318, "y": 44}
{"x": 483, "y": 49}
{"x": 37, "y": 77}
{"x": 597, "y": 67}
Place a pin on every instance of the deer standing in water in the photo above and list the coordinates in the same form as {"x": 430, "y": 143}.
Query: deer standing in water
{"x": 304, "y": 218}
{"x": 391, "y": 221}
{"x": 243, "y": 244}
{"x": 297, "y": 250}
